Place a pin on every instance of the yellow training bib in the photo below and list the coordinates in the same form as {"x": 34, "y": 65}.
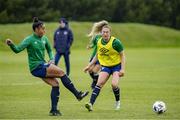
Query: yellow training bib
{"x": 107, "y": 55}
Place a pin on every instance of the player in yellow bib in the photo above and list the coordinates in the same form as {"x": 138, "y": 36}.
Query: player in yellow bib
{"x": 110, "y": 54}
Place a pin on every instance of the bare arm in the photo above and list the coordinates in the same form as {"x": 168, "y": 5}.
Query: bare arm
{"x": 123, "y": 62}
{"x": 87, "y": 68}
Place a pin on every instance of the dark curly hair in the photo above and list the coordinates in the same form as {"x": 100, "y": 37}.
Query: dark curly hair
{"x": 36, "y": 23}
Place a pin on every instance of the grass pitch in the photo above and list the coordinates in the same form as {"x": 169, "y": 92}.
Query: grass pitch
{"x": 151, "y": 74}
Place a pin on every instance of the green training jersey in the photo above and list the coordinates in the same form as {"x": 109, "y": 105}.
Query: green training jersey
{"x": 35, "y": 46}
{"x": 94, "y": 45}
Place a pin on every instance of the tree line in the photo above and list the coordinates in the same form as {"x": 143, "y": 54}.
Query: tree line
{"x": 158, "y": 12}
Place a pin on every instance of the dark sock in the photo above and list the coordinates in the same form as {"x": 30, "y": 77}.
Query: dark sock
{"x": 93, "y": 84}
{"x": 54, "y": 97}
{"x": 96, "y": 76}
{"x": 94, "y": 94}
{"x": 91, "y": 75}
{"x": 117, "y": 93}
{"x": 69, "y": 85}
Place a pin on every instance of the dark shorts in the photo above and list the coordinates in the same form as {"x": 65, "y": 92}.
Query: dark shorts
{"x": 112, "y": 69}
{"x": 40, "y": 71}
{"x": 97, "y": 62}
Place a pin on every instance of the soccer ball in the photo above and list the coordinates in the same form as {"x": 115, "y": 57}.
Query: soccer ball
{"x": 159, "y": 107}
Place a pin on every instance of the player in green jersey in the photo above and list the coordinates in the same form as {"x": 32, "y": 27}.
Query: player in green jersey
{"x": 94, "y": 36}
{"x": 36, "y": 44}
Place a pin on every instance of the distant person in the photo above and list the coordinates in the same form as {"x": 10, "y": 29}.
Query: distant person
{"x": 110, "y": 54}
{"x": 63, "y": 39}
{"x": 94, "y": 35}
{"x": 36, "y": 44}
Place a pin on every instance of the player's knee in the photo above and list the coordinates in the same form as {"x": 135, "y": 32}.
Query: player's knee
{"x": 61, "y": 73}
{"x": 100, "y": 84}
{"x": 55, "y": 84}
{"x": 114, "y": 84}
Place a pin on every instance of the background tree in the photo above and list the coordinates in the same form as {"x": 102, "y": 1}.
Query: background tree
{"x": 158, "y": 12}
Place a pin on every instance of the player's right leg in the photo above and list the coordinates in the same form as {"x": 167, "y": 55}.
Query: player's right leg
{"x": 54, "y": 95}
{"x": 103, "y": 77}
{"x": 40, "y": 72}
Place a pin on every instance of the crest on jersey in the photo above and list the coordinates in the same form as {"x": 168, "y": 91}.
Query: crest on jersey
{"x": 65, "y": 32}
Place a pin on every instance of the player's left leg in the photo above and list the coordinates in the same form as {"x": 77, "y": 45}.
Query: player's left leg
{"x": 54, "y": 71}
{"x": 116, "y": 89}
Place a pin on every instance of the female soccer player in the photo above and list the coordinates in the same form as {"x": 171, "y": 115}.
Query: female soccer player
{"x": 95, "y": 35}
{"x": 111, "y": 56}
{"x": 36, "y": 45}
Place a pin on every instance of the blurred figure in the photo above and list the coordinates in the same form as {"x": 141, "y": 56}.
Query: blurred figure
{"x": 63, "y": 39}
{"x": 94, "y": 35}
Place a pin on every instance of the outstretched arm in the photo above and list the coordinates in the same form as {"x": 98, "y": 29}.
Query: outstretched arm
{"x": 91, "y": 63}
{"x": 17, "y": 48}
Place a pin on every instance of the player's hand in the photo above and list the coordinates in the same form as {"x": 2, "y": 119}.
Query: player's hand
{"x": 121, "y": 73}
{"x": 51, "y": 62}
{"x": 9, "y": 41}
{"x": 87, "y": 68}
{"x": 88, "y": 47}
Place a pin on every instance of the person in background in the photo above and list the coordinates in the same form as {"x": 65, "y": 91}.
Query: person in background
{"x": 63, "y": 39}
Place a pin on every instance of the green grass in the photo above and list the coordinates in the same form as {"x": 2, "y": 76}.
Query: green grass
{"x": 131, "y": 34}
{"x": 151, "y": 74}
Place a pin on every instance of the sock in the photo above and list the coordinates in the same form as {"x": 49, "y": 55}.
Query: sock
{"x": 93, "y": 84}
{"x": 96, "y": 76}
{"x": 117, "y": 93}
{"x": 69, "y": 85}
{"x": 91, "y": 75}
{"x": 54, "y": 97}
{"x": 94, "y": 94}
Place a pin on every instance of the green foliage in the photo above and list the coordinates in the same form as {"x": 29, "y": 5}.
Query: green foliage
{"x": 158, "y": 12}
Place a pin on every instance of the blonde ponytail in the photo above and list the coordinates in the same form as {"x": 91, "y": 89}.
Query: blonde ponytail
{"x": 96, "y": 29}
